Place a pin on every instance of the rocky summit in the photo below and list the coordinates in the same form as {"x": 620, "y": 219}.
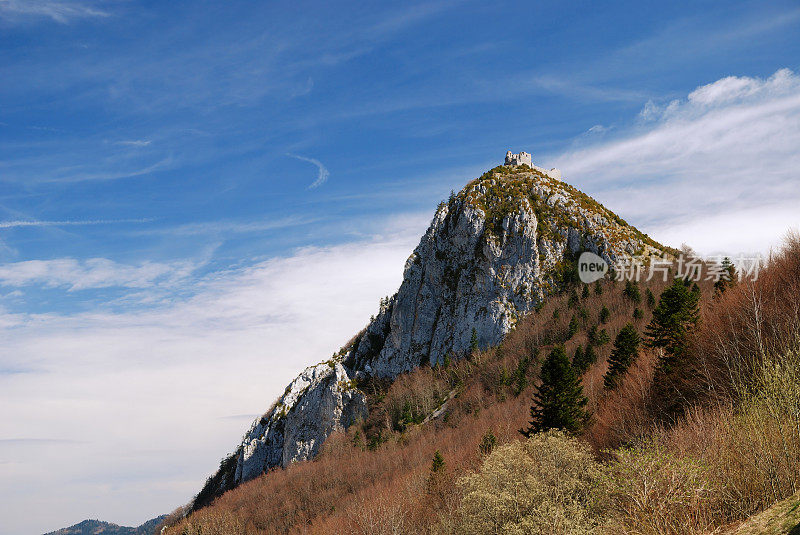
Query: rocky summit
{"x": 492, "y": 253}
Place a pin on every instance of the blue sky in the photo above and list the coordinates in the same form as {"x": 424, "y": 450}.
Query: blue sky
{"x": 198, "y": 199}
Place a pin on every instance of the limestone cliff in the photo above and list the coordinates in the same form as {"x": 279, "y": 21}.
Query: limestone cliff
{"x": 492, "y": 253}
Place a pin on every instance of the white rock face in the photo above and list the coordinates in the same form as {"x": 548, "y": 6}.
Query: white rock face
{"x": 491, "y": 254}
{"x": 320, "y": 401}
{"x": 458, "y": 279}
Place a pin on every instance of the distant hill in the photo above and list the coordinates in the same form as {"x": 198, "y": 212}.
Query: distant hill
{"x": 98, "y": 527}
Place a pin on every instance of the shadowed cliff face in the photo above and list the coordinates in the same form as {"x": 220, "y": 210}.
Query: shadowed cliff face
{"x": 492, "y": 253}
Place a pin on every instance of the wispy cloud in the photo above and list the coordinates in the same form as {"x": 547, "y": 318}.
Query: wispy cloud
{"x": 567, "y": 86}
{"x": 189, "y": 371}
{"x": 62, "y": 11}
{"x": 74, "y": 274}
{"x": 322, "y": 173}
{"x": 224, "y": 227}
{"x": 726, "y": 148}
{"x": 134, "y": 142}
{"x": 69, "y": 223}
{"x": 79, "y": 175}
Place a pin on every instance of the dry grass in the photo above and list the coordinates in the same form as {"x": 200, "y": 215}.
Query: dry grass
{"x": 733, "y": 450}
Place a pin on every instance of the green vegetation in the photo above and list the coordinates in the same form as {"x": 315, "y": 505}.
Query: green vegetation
{"x": 488, "y": 443}
{"x": 573, "y": 327}
{"x": 727, "y": 276}
{"x": 675, "y": 316}
{"x": 546, "y": 484}
{"x": 559, "y": 402}
{"x": 632, "y": 292}
{"x": 500, "y": 192}
{"x": 626, "y": 347}
{"x": 437, "y": 465}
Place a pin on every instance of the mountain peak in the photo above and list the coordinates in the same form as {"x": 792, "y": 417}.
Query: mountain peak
{"x": 491, "y": 254}
{"x": 557, "y": 206}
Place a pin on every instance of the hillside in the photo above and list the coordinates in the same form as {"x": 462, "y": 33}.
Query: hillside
{"x": 98, "y": 527}
{"x": 491, "y": 254}
{"x": 692, "y": 436}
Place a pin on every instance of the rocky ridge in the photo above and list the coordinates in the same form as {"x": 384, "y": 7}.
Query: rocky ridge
{"x": 491, "y": 254}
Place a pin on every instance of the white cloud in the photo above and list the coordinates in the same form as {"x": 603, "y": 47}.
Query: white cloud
{"x": 322, "y": 174}
{"x": 91, "y": 273}
{"x": 176, "y": 377}
{"x": 39, "y": 223}
{"x": 134, "y": 142}
{"x": 726, "y": 150}
{"x": 59, "y": 11}
{"x": 223, "y": 227}
{"x": 597, "y": 129}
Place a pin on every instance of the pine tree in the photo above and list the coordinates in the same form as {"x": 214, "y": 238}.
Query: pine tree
{"x": 578, "y": 360}
{"x": 473, "y": 341}
{"x": 585, "y": 292}
{"x": 605, "y": 313}
{"x": 592, "y": 334}
{"x": 589, "y": 355}
{"x": 573, "y": 327}
{"x": 438, "y": 462}
{"x": 651, "y": 299}
{"x": 598, "y": 288}
{"x": 631, "y": 291}
{"x": 488, "y": 442}
{"x": 602, "y": 338}
{"x": 572, "y": 302}
{"x": 727, "y": 277}
{"x": 583, "y": 358}
{"x": 626, "y": 347}
{"x": 675, "y": 316}
{"x": 559, "y": 402}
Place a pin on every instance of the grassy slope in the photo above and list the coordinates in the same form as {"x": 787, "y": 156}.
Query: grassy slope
{"x": 389, "y": 455}
{"x": 376, "y": 478}
{"x": 783, "y": 518}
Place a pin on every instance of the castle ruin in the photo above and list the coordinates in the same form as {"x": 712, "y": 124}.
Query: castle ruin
{"x": 523, "y": 158}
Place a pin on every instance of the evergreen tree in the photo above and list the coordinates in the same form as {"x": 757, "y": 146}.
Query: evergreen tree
{"x": 438, "y": 462}
{"x": 605, "y": 313}
{"x": 598, "y": 288}
{"x": 583, "y": 358}
{"x": 675, "y": 316}
{"x": 573, "y": 327}
{"x": 626, "y": 347}
{"x": 589, "y": 355}
{"x": 602, "y": 338}
{"x": 631, "y": 291}
{"x": 585, "y": 291}
{"x": 651, "y": 299}
{"x": 578, "y": 360}
{"x": 488, "y": 442}
{"x": 572, "y": 302}
{"x": 473, "y": 341}
{"x": 592, "y": 335}
{"x": 559, "y": 402}
{"x": 727, "y": 277}
{"x": 637, "y": 313}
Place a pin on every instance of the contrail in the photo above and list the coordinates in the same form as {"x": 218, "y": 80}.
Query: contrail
{"x": 323, "y": 173}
